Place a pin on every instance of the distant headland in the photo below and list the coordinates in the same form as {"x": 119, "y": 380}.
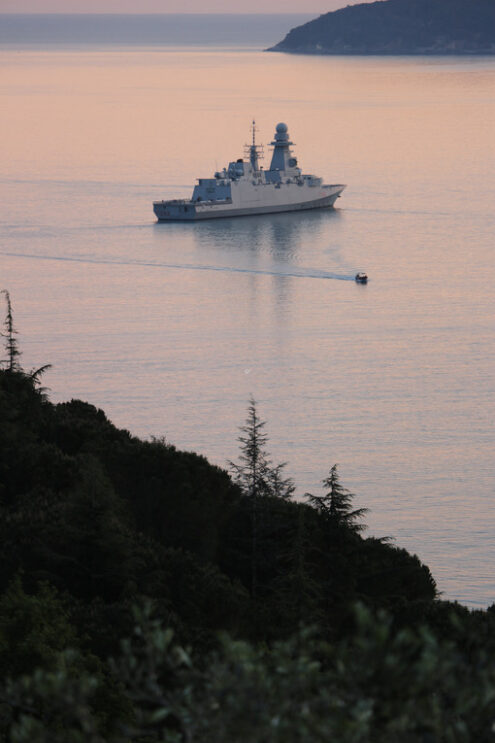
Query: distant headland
{"x": 398, "y": 27}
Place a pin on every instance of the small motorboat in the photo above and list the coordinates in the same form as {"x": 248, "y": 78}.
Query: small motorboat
{"x": 361, "y": 278}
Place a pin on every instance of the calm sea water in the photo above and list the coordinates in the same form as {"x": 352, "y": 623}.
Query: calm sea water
{"x": 170, "y": 328}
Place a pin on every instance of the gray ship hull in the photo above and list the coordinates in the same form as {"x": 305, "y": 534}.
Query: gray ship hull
{"x": 245, "y": 188}
{"x": 188, "y": 211}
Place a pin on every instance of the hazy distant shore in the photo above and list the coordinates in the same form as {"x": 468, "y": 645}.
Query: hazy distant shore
{"x": 147, "y": 30}
{"x": 411, "y": 27}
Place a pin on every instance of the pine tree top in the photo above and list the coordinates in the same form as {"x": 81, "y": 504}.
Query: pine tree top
{"x": 336, "y": 504}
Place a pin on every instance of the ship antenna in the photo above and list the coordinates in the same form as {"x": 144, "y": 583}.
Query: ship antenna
{"x": 253, "y": 151}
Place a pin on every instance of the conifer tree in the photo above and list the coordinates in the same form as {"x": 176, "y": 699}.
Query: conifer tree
{"x": 336, "y": 504}
{"x": 255, "y": 474}
{"x": 10, "y": 333}
{"x": 257, "y": 478}
{"x": 13, "y": 352}
{"x": 279, "y": 486}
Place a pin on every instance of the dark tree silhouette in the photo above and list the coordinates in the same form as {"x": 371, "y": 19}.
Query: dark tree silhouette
{"x": 398, "y": 27}
{"x": 13, "y": 352}
{"x": 255, "y": 474}
{"x": 10, "y": 333}
{"x": 257, "y": 478}
{"x": 298, "y": 591}
{"x": 336, "y": 504}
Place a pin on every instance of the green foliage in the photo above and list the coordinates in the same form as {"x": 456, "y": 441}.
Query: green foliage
{"x": 105, "y": 518}
{"x": 151, "y": 670}
{"x": 96, "y": 521}
{"x": 299, "y": 593}
{"x": 388, "y": 575}
{"x": 50, "y": 707}
{"x": 34, "y": 629}
{"x": 378, "y": 684}
{"x": 176, "y": 498}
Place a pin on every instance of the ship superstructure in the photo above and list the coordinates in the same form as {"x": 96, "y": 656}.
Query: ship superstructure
{"x": 244, "y": 187}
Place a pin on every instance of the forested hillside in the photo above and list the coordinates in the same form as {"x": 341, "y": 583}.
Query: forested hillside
{"x": 399, "y": 27}
{"x": 105, "y": 518}
{"x": 118, "y": 553}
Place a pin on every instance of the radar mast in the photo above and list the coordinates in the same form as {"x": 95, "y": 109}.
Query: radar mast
{"x": 254, "y": 151}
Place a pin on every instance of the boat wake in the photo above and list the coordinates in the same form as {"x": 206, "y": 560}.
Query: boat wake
{"x": 296, "y": 273}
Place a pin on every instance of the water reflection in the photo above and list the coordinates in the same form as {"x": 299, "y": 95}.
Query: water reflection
{"x": 268, "y": 245}
{"x": 260, "y": 246}
{"x": 279, "y": 235}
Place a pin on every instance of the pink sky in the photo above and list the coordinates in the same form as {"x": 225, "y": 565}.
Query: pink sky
{"x": 173, "y": 6}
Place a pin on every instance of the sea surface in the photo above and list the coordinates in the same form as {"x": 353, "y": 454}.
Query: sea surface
{"x": 171, "y": 327}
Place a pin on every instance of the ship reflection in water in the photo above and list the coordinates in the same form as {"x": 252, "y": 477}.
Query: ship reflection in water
{"x": 279, "y": 235}
{"x": 264, "y": 244}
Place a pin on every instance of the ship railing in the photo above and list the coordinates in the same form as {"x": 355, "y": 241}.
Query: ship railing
{"x": 173, "y": 202}
{"x": 190, "y": 202}
{"x": 209, "y": 202}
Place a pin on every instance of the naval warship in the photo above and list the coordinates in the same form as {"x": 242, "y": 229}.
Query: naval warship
{"x": 246, "y": 188}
